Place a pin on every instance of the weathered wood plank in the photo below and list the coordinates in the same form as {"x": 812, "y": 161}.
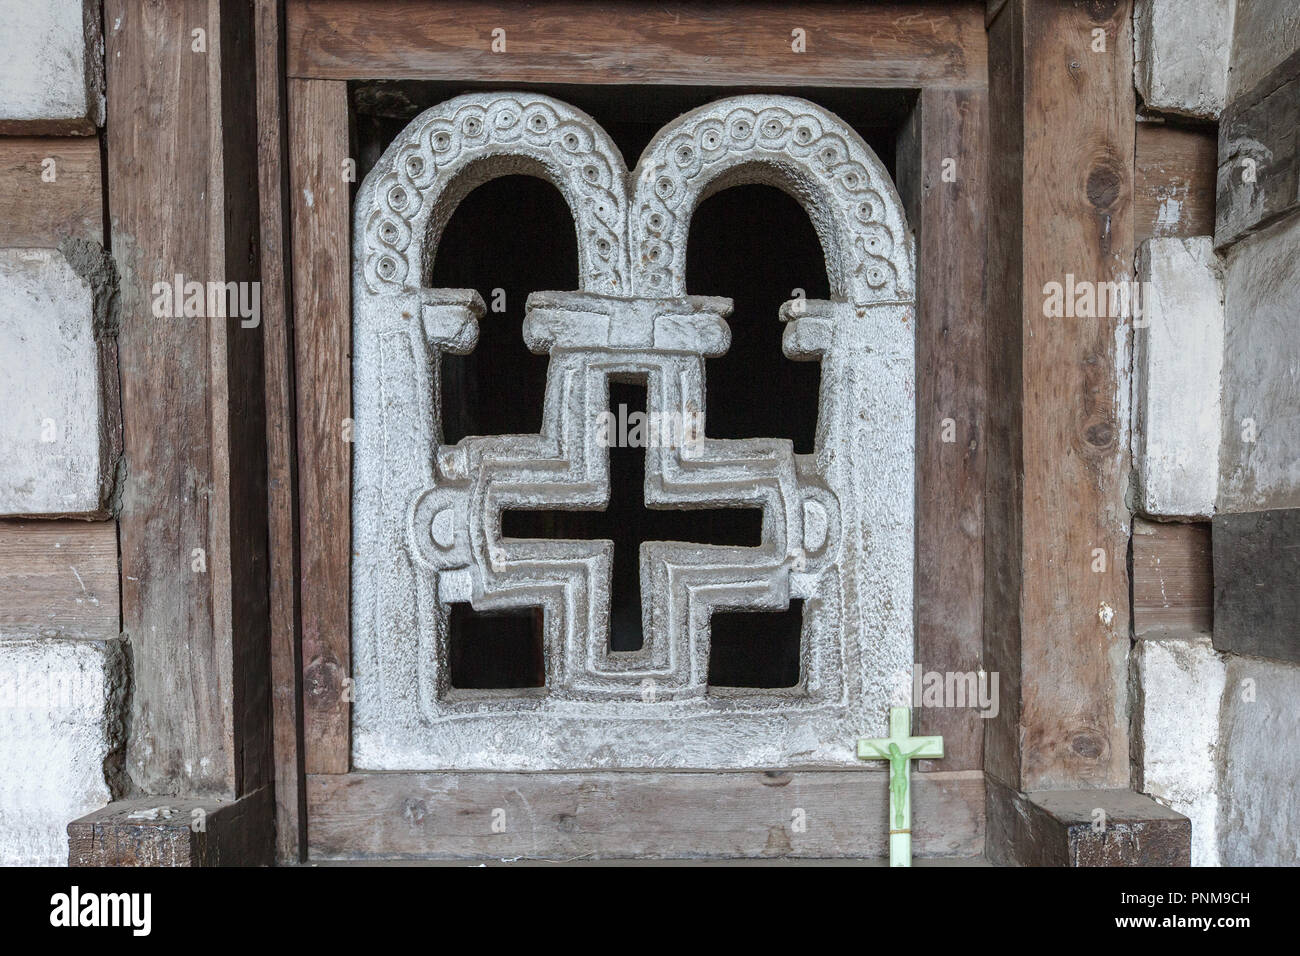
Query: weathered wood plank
{"x": 58, "y": 579}
{"x": 183, "y": 200}
{"x": 321, "y": 226}
{"x": 889, "y": 44}
{"x": 39, "y": 212}
{"x": 1174, "y": 181}
{"x": 1003, "y": 521}
{"x": 1173, "y": 578}
{"x": 1060, "y": 828}
{"x": 949, "y": 218}
{"x": 652, "y": 815}
{"x": 1259, "y": 155}
{"x": 281, "y": 450}
{"x": 1257, "y": 583}
{"x": 1057, "y": 629}
{"x": 235, "y": 833}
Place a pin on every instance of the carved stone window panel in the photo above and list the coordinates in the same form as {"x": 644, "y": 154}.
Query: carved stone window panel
{"x": 837, "y": 524}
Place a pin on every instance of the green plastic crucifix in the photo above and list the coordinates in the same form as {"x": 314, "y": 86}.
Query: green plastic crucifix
{"x": 900, "y": 750}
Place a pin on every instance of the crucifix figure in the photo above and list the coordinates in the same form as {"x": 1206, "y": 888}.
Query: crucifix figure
{"x": 900, "y": 749}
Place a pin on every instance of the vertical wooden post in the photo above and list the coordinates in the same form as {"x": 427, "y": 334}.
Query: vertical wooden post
{"x": 1056, "y": 584}
{"x": 281, "y": 433}
{"x": 943, "y": 179}
{"x": 1056, "y": 624}
{"x": 182, "y": 191}
{"x": 322, "y": 284}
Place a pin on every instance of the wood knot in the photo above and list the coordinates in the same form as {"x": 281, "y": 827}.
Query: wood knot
{"x": 1100, "y": 435}
{"x": 1088, "y": 745}
{"x": 1103, "y": 185}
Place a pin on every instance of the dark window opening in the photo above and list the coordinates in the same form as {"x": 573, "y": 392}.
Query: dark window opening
{"x": 496, "y": 650}
{"x": 756, "y": 245}
{"x": 755, "y": 649}
{"x": 513, "y": 234}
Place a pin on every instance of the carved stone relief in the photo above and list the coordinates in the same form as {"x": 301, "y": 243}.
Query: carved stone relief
{"x": 837, "y": 527}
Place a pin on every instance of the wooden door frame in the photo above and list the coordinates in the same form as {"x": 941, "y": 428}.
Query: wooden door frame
{"x": 941, "y": 57}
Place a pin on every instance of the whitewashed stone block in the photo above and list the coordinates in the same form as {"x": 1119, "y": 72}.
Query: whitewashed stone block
{"x": 1259, "y": 459}
{"x": 1180, "y": 683}
{"x": 1177, "y": 360}
{"x": 837, "y": 524}
{"x": 60, "y": 722}
{"x": 51, "y": 66}
{"x": 54, "y": 445}
{"x": 1180, "y": 55}
{"x": 1259, "y": 804}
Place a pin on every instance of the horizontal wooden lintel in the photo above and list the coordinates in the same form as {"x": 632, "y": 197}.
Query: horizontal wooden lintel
{"x": 890, "y": 44}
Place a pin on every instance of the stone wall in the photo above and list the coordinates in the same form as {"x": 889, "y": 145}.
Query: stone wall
{"x": 1217, "y": 435}
{"x": 63, "y": 666}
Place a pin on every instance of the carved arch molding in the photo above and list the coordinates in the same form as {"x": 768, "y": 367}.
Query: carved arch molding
{"x": 837, "y": 528}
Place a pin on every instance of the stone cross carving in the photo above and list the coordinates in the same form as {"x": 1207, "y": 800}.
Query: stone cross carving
{"x": 900, "y": 749}
{"x": 837, "y": 524}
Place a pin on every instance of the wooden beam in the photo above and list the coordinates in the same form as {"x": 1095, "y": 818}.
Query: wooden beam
{"x": 322, "y": 283}
{"x": 1173, "y": 578}
{"x": 1174, "y": 176}
{"x": 1056, "y": 630}
{"x": 182, "y": 188}
{"x": 1085, "y": 828}
{"x": 889, "y": 44}
{"x": 949, "y": 127}
{"x": 281, "y": 446}
{"x": 645, "y": 815}
{"x": 37, "y": 211}
{"x": 58, "y": 579}
{"x": 170, "y": 831}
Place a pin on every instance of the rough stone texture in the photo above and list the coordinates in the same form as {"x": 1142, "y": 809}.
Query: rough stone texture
{"x": 55, "y": 444}
{"x": 1261, "y": 372}
{"x": 1259, "y": 803}
{"x": 1180, "y": 55}
{"x": 1177, "y": 359}
{"x": 1178, "y": 692}
{"x": 1264, "y": 33}
{"x": 61, "y": 733}
{"x": 51, "y": 66}
{"x": 1257, "y": 584}
{"x": 837, "y": 526}
{"x": 1258, "y": 177}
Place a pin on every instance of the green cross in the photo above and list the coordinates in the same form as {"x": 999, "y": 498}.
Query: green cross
{"x": 900, "y": 750}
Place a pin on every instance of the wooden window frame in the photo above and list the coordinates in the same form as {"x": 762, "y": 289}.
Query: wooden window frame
{"x": 939, "y": 52}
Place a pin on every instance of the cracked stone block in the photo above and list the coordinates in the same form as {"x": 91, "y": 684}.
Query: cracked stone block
{"x": 837, "y": 523}
{"x": 54, "y": 434}
{"x": 1177, "y": 360}
{"x": 1259, "y": 803}
{"x": 51, "y": 67}
{"x": 60, "y": 729}
{"x": 1180, "y": 55}
{"x": 1180, "y": 683}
